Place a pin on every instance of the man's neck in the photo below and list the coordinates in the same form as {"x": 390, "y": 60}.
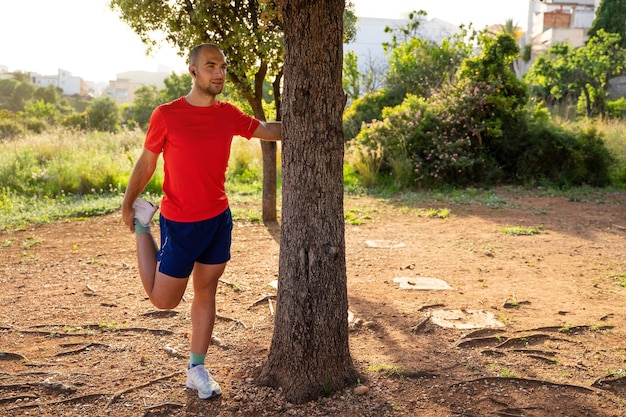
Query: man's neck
{"x": 201, "y": 100}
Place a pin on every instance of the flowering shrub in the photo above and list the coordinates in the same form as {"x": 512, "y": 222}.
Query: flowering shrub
{"x": 479, "y": 129}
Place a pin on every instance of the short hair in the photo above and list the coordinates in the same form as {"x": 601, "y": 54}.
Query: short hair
{"x": 195, "y": 51}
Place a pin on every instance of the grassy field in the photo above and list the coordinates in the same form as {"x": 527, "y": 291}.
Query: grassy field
{"x": 68, "y": 174}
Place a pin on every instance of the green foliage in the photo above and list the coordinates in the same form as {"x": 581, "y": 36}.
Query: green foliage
{"x": 19, "y": 211}
{"x": 616, "y": 109}
{"x": 41, "y": 110}
{"x": 103, "y": 115}
{"x": 610, "y": 17}
{"x": 563, "y": 157}
{"x": 175, "y": 86}
{"x": 10, "y": 128}
{"x": 388, "y": 146}
{"x": 416, "y": 67}
{"x": 367, "y": 108}
{"x": 23, "y": 92}
{"x": 7, "y": 87}
{"x": 34, "y": 124}
{"x": 400, "y": 35}
{"x": 245, "y": 163}
{"x": 36, "y": 109}
{"x": 421, "y": 67}
{"x": 75, "y": 121}
{"x": 147, "y": 98}
{"x": 522, "y": 230}
{"x": 351, "y": 80}
{"x": 581, "y": 75}
{"x": 350, "y": 22}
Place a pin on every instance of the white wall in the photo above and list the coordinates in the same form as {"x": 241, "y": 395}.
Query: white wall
{"x": 371, "y": 35}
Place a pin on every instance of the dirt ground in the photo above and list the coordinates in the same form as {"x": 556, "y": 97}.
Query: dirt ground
{"x": 79, "y": 338}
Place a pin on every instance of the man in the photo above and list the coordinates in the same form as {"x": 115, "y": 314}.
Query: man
{"x": 194, "y": 133}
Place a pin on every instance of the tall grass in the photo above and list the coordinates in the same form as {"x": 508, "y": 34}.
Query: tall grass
{"x": 64, "y": 173}
{"x": 245, "y": 168}
{"x": 614, "y": 132}
{"x": 64, "y": 162}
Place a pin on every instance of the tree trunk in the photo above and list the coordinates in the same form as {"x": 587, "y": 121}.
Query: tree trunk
{"x": 309, "y": 354}
{"x": 268, "y": 152}
{"x": 269, "y": 161}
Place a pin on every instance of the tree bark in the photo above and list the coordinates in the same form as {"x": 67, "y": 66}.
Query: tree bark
{"x": 309, "y": 354}
{"x": 268, "y": 210}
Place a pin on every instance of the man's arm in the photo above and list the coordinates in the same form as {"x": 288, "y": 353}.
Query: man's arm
{"x": 269, "y": 131}
{"x": 139, "y": 178}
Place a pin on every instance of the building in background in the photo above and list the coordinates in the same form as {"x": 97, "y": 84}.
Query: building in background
{"x": 122, "y": 89}
{"x": 64, "y": 80}
{"x": 557, "y": 21}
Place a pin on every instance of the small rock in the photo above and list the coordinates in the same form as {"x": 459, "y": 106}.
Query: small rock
{"x": 361, "y": 390}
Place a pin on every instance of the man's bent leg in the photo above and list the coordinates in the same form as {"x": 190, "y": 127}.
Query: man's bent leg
{"x": 147, "y": 260}
{"x": 165, "y": 292}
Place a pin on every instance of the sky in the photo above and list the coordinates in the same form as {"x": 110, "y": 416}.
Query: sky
{"x": 87, "y": 39}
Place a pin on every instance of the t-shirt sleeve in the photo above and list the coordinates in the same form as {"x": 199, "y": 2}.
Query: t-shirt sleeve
{"x": 157, "y": 132}
{"x": 245, "y": 125}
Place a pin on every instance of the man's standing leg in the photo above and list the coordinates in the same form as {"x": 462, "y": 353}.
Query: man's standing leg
{"x": 203, "y": 310}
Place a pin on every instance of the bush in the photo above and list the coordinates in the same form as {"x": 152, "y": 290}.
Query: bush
{"x": 563, "y": 157}
{"x": 35, "y": 125}
{"x": 10, "y": 129}
{"x": 617, "y": 108}
{"x": 103, "y": 115}
{"x": 366, "y": 109}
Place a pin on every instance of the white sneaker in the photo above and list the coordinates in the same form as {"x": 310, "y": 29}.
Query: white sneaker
{"x": 198, "y": 378}
{"x": 144, "y": 210}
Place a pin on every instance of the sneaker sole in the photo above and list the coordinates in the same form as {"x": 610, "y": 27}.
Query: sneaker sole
{"x": 213, "y": 393}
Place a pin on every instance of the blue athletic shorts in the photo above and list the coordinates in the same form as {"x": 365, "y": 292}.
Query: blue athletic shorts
{"x": 183, "y": 244}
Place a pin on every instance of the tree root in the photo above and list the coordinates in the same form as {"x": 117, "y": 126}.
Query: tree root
{"x": 610, "y": 383}
{"x": 162, "y": 406}
{"x": 118, "y": 394}
{"x": 262, "y": 299}
{"x": 419, "y": 326}
{"x": 412, "y": 374}
{"x": 65, "y": 401}
{"x": 570, "y": 329}
{"x": 579, "y": 388}
{"x": 18, "y": 397}
{"x": 10, "y": 356}
{"x": 523, "y": 341}
{"x": 52, "y": 333}
{"x": 82, "y": 349}
{"x": 53, "y": 386}
{"x": 237, "y": 321}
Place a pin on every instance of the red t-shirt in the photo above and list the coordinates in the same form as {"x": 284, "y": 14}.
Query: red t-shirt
{"x": 195, "y": 142}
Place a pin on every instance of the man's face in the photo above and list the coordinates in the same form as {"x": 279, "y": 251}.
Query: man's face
{"x": 211, "y": 71}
